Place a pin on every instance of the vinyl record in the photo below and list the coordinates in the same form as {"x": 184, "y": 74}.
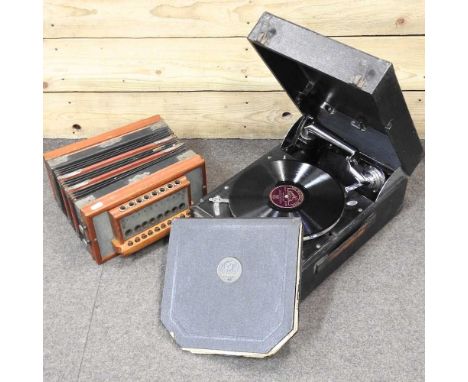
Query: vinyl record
{"x": 288, "y": 188}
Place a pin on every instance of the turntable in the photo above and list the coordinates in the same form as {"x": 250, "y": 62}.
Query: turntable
{"x": 343, "y": 166}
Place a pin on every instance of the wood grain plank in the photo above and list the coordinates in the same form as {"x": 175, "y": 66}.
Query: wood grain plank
{"x": 194, "y": 64}
{"x": 217, "y": 18}
{"x": 190, "y": 114}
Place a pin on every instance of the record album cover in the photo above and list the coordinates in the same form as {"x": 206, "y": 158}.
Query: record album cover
{"x": 231, "y": 285}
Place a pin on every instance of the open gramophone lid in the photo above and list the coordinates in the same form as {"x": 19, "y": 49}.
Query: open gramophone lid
{"x": 232, "y": 285}
{"x": 313, "y": 68}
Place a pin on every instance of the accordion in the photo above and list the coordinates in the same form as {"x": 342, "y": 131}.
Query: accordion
{"x": 121, "y": 190}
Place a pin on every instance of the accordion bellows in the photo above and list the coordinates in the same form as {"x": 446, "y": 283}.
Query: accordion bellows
{"x": 122, "y": 189}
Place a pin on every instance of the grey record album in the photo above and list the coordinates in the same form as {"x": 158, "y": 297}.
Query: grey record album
{"x": 231, "y": 285}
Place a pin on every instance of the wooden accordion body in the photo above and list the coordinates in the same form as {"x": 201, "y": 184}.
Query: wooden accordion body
{"x": 122, "y": 189}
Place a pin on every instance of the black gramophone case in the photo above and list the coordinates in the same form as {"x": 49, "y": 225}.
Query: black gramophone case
{"x": 354, "y": 110}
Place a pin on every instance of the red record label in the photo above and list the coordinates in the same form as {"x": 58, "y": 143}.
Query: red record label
{"x": 286, "y": 196}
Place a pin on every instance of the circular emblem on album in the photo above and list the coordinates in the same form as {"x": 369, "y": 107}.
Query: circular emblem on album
{"x": 286, "y": 196}
{"x": 229, "y": 269}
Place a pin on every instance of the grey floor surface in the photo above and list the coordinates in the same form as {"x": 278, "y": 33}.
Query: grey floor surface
{"x": 364, "y": 323}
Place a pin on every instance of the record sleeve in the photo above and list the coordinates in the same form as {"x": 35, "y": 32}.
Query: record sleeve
{"x": 237, "y": 294}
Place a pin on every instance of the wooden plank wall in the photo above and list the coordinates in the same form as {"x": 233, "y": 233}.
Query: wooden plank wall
{"x": 108, "y": 63}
